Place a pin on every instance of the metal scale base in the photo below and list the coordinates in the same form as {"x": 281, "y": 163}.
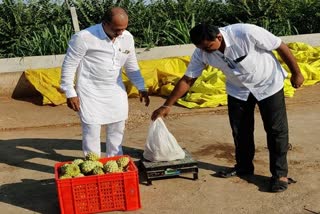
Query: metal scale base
{"x": 166, "y": 169}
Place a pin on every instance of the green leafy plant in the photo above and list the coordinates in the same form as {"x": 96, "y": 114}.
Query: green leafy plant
{"x": 20, "y": 19}
{"x": 89, "y": 12}
{"x": 48, "y": 41}
{"x": 43, "y": 27}
{"x": 272, "y": 14}
{"x": 177, "y": 31}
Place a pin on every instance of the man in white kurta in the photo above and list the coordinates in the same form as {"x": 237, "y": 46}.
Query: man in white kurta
{"x": 93, "y": 62}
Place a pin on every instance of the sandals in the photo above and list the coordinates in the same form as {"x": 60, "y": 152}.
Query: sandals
{"x": 277, "y": 185}
{"x": 227, "y": 173}
{"x": 233, "y": 172}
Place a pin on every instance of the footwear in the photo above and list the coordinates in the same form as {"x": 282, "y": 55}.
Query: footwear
{"x": 233, "y": 172}
{"x": 277, "y": 185}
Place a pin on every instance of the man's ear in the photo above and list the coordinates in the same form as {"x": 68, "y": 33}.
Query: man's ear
{"x": 219, "y": 37}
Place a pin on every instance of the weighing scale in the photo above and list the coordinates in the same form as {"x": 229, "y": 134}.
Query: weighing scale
{"x": 166, "y": 169}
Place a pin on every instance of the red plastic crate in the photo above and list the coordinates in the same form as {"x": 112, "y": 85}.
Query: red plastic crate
{"x": 99, "y": 193}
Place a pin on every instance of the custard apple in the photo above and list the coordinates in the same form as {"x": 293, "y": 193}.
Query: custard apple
{"x": 71, "y": 170}
{"x": 97, "y": 171}
{"x": 87, "y": 166}
{"x": 111, "y": 166}
{"x": 98, "y": 163}
{"x": 63, "y": 168}
{"x": 123, "y": 162}
{"x": 92, "y": 156}
{"x": 65, "y": 176}
{"x": 79, "y": 175}
{"x": 77, "y": 161}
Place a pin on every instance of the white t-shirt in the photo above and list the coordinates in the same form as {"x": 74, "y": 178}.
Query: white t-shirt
{"x": 247, "y": 62}
{"x": 96, "y": 62}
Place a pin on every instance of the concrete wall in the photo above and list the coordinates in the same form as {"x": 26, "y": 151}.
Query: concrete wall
{"x": 13, "y": 82}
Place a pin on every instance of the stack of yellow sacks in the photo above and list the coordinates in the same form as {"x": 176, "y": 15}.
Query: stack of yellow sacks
{"x": 161, "y": 75}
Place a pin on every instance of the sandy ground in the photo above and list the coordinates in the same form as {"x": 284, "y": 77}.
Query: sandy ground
{"x": 33, "y": 138}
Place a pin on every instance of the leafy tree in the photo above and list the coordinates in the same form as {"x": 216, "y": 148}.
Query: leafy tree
{"x": 42, "y": 27}
{"x": 22, "y": 20}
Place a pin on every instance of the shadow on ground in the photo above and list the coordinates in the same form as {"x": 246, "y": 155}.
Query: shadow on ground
{"x": 35, "y": 195}
{"x": 41, "y": 195}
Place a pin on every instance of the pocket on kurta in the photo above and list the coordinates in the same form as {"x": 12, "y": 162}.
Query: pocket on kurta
{"x": 122, "y": 57}
{"x": 247, "y": 65}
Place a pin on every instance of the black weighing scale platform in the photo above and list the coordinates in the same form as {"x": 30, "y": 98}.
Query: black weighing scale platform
{"x": 166, "y": 169}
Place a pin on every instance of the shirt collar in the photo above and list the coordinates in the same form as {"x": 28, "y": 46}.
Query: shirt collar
{"x": 102, "y": 34}
{"x": 225, "y": 37}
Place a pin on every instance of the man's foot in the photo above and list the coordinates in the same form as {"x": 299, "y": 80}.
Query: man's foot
{"x": 233, "y": 172}
{"x": 280, "y": 184}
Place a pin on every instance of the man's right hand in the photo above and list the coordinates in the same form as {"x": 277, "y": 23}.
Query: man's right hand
{"x": 162, "y": 111}
{"x": 179, "y": 90}
{"x": 73, "y": 103}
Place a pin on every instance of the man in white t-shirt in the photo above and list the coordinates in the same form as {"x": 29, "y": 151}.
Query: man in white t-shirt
{"x": 253, "y": 76}
{"x": 94, "y": 61}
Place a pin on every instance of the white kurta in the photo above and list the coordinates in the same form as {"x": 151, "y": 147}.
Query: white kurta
{"x": 96, "y": 62}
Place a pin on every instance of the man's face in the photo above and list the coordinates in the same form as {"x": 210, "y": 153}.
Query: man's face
{"x": 210, "y": 46}
{"x": 116, "y": 27}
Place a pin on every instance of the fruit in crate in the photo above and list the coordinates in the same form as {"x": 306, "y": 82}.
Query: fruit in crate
{"x": 77, "y": 161}
{"x": 97, "y": 171}
{"x": 99, "y": 164}
{"x": 92, "y": 156}
{"x": 123, "y": 162}
{"x": 111, "y": 166}
{"x": 69, "y": 170}
{"x": 90, "y": 165}
{"x": 63, "y": 168}
{"x": 79, "y": 175}
{"x": 98, "y": 193}
{"x": 65, "y": 176}
{"x": 87, "y": 166}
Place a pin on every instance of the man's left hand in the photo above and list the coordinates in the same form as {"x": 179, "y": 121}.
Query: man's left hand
{"x": 143, "y": 95}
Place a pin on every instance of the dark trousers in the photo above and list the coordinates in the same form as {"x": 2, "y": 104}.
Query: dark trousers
{"x": 274, "y": 116}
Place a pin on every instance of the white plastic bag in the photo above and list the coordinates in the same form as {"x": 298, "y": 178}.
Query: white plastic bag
{"x": 161, "y": 145}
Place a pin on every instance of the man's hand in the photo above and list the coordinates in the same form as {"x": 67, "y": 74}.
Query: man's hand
{"x": 143, "y": 95}
{"x": 287, "y": 56}
{"x": 162, "y": 111}
{"x": 73, "y": 103}
{"x": 297, "y": 80}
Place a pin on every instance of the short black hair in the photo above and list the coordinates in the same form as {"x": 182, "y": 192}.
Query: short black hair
{"x": 203, "y": 31}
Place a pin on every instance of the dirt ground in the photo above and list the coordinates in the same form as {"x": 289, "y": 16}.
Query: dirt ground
{"x": 33, "y": 138}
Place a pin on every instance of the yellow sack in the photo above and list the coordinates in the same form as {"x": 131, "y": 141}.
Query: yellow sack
{"x": 158, "y": 73}
{"x": 47, "y": 82}
{"x": 161, "y": 75}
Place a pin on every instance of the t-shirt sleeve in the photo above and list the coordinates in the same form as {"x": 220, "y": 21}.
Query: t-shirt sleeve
{"x": 196, "y": 64}
{"x": 263, "y": 38}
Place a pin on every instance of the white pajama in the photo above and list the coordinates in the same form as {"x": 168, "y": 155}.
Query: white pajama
{"x": 91, "y": 141}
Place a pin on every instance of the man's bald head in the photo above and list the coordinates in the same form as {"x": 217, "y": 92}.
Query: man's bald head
{"x": 115, "y": 22}
{"x": 115, "y": 14}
